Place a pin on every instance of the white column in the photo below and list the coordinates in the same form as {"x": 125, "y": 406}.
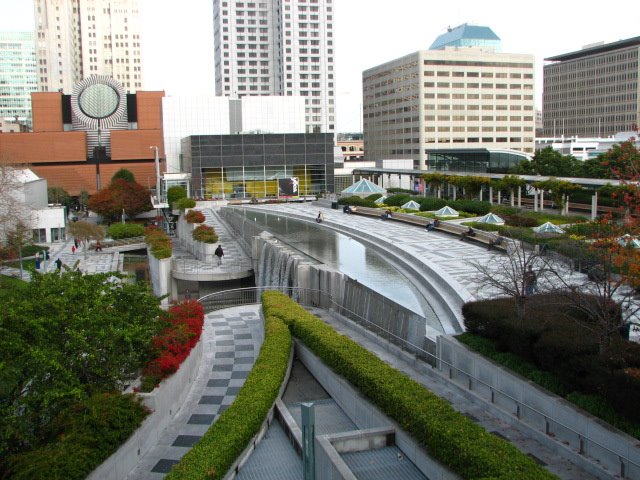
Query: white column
{"x": 490, "y": 194}
{"x": 542, "y": 200}
{"x": 519, "y": 196}
{"x": 594, "y": 206}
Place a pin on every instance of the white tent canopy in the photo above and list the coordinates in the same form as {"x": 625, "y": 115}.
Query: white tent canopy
{"x": 447, "y": 212}
{"x": 491, "y": 218}
{"x": 411, "y": 205}
{"x": 548, "y": 227}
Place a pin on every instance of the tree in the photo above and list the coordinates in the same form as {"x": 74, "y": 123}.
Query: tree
{"x": 63, "y": 338}
{"x": 121, "y": 195}
{"x": 559, "y": 190}
{"x": 58, "y": 195}
{"x": 510, "y": 183}
{"x": 508, "y": 275}
{"x": 175, "y": 193}
{"x": 13, "y": 212}
{"x": 551, "y": 163}
{"x": 124, "y": 174}
{"x": 85, "y": 232}
{"x": 435, "y": 181}
{"x": 83, "y": 199}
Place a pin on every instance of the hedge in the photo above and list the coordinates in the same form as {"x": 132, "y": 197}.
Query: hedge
{"x": 87, "y": 434}
{"x": 214, "y": 454}
{"x": 125, "y": 230}
{"x": 357, "y": 202}
{"x": 448, "y": 436}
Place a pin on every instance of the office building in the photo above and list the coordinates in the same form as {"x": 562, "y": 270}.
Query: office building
{"x": 242, "y": 166}
{"x": 273, "y": 47}
{"x": 592, "y": 92}
{"x": 79, "y": 38}
{"x": 453, "y": 99}
{"x": 216, "y": 115}
{"x": 17, "y": 76}
{"x": 80, "y": 140}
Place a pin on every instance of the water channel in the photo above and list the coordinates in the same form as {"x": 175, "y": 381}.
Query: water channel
{"x": 348, "y": 256}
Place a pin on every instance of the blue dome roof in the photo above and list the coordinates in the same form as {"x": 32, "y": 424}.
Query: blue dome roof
{"x": 467, "y": 36}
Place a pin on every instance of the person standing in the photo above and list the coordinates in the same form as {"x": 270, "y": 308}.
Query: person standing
{"x": 219, "y": 253}
{"x": 530, "y": 280}
{"x": 319, "y": 218}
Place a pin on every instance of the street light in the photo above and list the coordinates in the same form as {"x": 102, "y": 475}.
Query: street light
{"x": 155, "y": 149}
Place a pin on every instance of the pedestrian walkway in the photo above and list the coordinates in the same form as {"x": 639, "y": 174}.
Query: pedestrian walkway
{"x": 232, "y": 339}
{"x": 235, "y": 263}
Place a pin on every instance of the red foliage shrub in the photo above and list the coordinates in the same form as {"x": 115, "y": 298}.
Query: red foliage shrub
{"x": 173, "y": 345}
{"x": 194, "y": 216}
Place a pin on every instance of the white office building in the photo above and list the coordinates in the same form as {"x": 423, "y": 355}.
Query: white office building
{"x": 277, "y": 47}
{"x": 456, "y": 98}
{"x": 79, "y": 38}
{"x": 215, "y": 115}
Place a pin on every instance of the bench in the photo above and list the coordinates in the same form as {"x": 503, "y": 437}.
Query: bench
{"x": 485, "y": 238}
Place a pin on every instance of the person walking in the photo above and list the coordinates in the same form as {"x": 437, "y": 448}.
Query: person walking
{"x": 320, "y": 217}
{"x": 73, "y": 249}
{"x": 530, "y": 281}
{"x": 219, "y": 253}
{"x": 58, "y": 263}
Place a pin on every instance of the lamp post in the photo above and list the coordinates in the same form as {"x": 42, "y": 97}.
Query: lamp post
{"x": 155, "y": 151}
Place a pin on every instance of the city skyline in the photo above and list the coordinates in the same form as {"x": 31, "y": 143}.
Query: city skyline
{"x": 177, "y": 39}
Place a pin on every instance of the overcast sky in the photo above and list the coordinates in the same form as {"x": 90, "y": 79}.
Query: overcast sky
{"x": 177, "y": 36}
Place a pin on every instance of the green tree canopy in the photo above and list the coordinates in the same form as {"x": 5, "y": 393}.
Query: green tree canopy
{"x": 551, "y": 163}
{"x": 124, "y": 174}
{"x": 58, "y": 195}
{"x": 63, "y": 338}
{"x": 175, "y": 193}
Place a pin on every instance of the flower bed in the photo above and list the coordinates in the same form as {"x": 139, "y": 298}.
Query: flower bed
{"x": 194, "y": 216}
{"x": 159, "y": 243}
{"x": 173, "y": 344}
{"x": 204, "y": 234}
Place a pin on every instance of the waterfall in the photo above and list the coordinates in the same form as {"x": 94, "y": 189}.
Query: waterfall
{"x": 277, "y": 263}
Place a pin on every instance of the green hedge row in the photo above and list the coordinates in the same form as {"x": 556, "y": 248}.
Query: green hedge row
{"x": 357, "y": 202}
{"x": 125, "y": 230}
{"x": 185, "y": 203}
{"x": 87, "y": 434}
{"x": 448, "y": 436}
{"x": 214, "y": 454}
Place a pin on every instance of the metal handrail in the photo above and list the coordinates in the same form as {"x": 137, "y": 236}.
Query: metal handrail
{"x": 304, "y": 296}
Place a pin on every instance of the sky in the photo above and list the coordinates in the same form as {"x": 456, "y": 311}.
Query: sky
{"x": 177, "y": 37}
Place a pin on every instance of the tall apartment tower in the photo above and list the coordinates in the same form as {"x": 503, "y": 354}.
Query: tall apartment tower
{"x": 461, "y": 96}
{"x": 79, "y": 38}
{"x": 17, "y": 76}
{"x": 592, "y": 92}
{"x": 278, "y": 47}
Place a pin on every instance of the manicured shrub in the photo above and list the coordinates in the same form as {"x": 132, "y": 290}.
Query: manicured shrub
{"x": 205, "y": 234}
{"x": 184, "y": 203}
{"x": 450, "y": 437}
{"x": 398, "y": 199}
{"x": 214, "y": 454}
{"x": 86, "y": 434}
{"x": 520, "y": 221}
{"x": 175, "y": 193}
{"x": 125, "y": 230}
{"x": 357, "y": 202}
{"x": 159, "y": 243}
{"x": 194, "y": 216}
{"x": 471, "y": 206}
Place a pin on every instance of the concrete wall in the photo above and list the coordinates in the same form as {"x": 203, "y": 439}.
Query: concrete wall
{"x": 365, "y": 416}
{"x": 160, "y": 273}
{"x": 586, "y": 438}
{"x": 205, "y": 252}
{"x": 164, "y": 401}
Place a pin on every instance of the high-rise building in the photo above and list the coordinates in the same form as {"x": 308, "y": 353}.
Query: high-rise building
{"x": 278, "y": 47}
{"x": 79, "y": 38}
{"x": 432, "y": 102}
{"x": 592, "y": 92}
{"x": 17, "y": 76}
